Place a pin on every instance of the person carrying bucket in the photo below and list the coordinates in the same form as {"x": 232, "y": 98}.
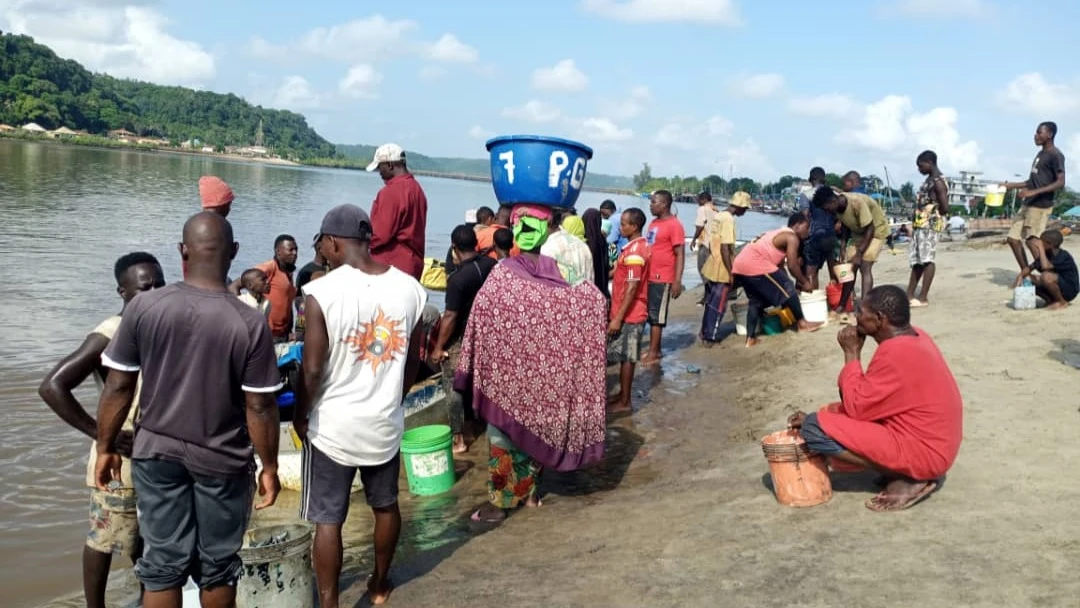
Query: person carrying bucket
{"x": 361, "y": 352}
{"x": 931, "y": 206}
{"x": 902, "y": 416}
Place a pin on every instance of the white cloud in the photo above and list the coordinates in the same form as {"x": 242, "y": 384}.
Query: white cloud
{"x": 891, "y": 126}
{"x": 712, "y": 12}
{"x": 451, "y": 50}
{"x": 690, "y": 135}
{"x": 832, "y": 105}
{"x": 718, "y": 126}
{"x": 295, "y": 93}
{"x": 1072, "y": 153}
{"x": 361, "y": 82}
{"x": 604, "y": 130}
{"x": 361, "y": 40}
{"x": 747, "y": 159}
{"x": 1032, "y": 94}
{"x": 478, "y": 132}
{"x": 534, "y": 111}
{"x": 368, "y": 40}
{"x": 629, "y": 107}
{"x": 939, "y": 9}
{"x": 563, "y": 77}
{"x": 756, "y": 86}
{"x": 127, "y": 40}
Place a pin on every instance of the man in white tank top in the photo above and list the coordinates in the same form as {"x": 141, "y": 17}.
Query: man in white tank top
{"x": 361, "y": 353}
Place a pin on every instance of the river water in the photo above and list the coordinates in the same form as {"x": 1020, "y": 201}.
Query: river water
{"x": 68, "y": 213}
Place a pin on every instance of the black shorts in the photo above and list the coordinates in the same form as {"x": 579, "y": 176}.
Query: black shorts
{"x": 818, "y": 249}
{"x": 327, "y": 485}
{"x": 659, "y": 302}
{"x": 190, "y": 524}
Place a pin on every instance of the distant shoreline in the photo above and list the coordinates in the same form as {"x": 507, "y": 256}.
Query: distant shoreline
{"x": 102, "y": 143}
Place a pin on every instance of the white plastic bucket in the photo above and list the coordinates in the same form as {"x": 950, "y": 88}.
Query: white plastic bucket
{"x": 844, "y": 273}
{"x": 276, "y": 575}
{"x": 738, "y": 310}
{"x": 815, "y": 307}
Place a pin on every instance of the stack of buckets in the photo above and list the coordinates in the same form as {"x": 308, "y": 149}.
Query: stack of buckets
{"x": 800, "y": 479}
{"x": 429, "y": 459}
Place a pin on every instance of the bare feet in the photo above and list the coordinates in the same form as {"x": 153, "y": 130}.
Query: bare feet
{"x": 488, "y": 514}
{"x": 534, "y": 502}
{"x": 1057, "y": 305}
{"x": 805, "y": 325}
{"x": 902, "y": 494}
{"x": 460, "y": 447}
{"x": 378, "y": 592}
{"x": 752, "y": 342}
{"x": 651, "y": 358}
{"x": 619, "y": 405}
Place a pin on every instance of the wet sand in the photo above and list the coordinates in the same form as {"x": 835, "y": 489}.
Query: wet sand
{"x": 680, "y": 513}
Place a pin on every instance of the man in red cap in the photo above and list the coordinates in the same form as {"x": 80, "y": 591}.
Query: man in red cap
{"x": 216, "y": 195}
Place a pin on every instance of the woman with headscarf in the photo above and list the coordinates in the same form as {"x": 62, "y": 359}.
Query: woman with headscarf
{"x": 533, "y": 358}
{"x": 597, "y": 242}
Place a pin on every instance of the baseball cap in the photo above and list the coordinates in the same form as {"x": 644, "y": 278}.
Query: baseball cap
{"x": 344, "y": 221}
{"x": 740, "y": 199}
{"x": 387, "y": 153}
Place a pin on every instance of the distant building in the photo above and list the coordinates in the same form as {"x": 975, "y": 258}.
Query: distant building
{"x": 33, "y": 127}
{"x": 63, "y": 132}
{"x": 121, "y": 134}
{"x": 6, "y": 128}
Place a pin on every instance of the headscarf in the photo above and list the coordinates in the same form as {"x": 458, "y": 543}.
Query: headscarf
{"x": 598, "y": 246}
{"x": 530, "y": 226}
{"x": 214, "y": 192}
{"x": 574, "y": 226}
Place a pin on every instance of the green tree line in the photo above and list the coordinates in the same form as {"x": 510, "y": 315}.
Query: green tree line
{"x": 38, "y": 86}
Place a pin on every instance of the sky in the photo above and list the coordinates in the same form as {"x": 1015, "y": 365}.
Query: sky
{"x": 693, "y": 87}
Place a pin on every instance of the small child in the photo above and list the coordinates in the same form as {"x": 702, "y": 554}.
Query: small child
{"x": 1058, "y": 283}
{"x": 256, "y": 284}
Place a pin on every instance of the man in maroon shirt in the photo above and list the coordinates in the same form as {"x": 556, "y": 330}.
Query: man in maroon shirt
{"x": 399, "y": 214}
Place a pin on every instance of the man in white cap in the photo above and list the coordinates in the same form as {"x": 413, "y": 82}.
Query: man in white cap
{"x": 399, "y": 214}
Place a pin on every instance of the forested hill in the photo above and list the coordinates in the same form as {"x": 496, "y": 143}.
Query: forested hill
{"x": 360, "y": 155}
{"x": 37, "y": 86}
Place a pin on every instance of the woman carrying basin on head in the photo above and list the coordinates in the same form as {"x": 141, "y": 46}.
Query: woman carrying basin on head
{"x": 533, "y": 357}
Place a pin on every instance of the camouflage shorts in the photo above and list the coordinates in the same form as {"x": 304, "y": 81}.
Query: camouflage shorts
{"x": 114, "y": 527}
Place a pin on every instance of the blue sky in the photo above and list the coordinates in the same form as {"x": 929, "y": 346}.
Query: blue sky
{"x": 690, "y": 86}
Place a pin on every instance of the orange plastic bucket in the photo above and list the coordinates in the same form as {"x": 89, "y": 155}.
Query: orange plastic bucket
{"x": 800, "y": 479}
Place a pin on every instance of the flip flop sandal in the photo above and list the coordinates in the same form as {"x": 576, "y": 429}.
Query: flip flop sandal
{"x": 922, "y": 495}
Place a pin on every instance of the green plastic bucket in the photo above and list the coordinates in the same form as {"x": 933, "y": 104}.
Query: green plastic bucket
{"x": 429, "y": 459}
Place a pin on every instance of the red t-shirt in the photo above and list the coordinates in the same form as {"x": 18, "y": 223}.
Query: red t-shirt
{"x": 399, "y": 222}
{"x": 632, "y": 267}
{"x": 664, "y": 236}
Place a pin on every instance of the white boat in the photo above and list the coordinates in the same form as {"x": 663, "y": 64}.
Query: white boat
{"x": 422, "y": 395}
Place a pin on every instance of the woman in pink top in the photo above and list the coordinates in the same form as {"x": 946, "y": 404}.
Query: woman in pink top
{"x": 759, "y": 270}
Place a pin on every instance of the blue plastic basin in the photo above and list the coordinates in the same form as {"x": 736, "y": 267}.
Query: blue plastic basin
{"x": 537, "y": 169}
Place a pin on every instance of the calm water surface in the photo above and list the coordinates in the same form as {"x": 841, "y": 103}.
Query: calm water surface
{"x": 68, "y": 213}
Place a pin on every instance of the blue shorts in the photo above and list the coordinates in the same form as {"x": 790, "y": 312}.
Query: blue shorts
{"x": 816, "y": 439}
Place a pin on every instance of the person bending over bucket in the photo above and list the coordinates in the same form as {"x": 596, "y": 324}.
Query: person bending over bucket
{"x": 902, "y": 417}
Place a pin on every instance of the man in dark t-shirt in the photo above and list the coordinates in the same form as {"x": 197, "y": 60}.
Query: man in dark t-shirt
{"x": 1057, "y": 282}
{"x": 208, "y": 378}
{"x": 1046, "y": 178}
{"x": 461, "y": 288}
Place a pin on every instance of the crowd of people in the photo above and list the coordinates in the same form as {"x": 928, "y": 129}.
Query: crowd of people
{"x": 188, "y": 370}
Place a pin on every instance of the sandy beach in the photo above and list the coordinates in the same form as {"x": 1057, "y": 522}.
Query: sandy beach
{"x": 680, "y": 514}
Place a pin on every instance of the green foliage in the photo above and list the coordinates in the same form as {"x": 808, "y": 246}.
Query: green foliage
{"x": 37, "y": 86}
{"x": 643, "y": 177}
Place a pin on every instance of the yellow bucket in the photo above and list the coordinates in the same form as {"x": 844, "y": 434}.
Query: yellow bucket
{"x": 995, "y": 197}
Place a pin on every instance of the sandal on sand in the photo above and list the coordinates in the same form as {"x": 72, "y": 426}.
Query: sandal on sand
{"x": 480, "y": 517}
{"x": 928, "y": 489}
{"x": 916, "y": 303}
